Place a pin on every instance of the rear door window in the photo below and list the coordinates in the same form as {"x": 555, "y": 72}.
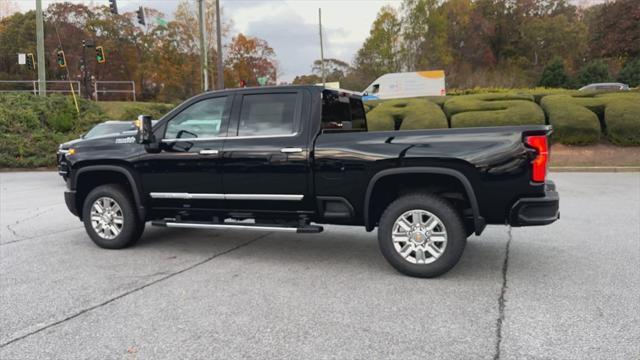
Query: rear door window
{"x": 268, "y": 114}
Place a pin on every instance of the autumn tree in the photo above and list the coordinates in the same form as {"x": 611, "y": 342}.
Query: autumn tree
{"x": 614, "y": 29}
{"x": 424, "y": 31}
{"x": 334, "y": 69}
{"x": 249, "y": 58}
{"x": 187, "y": 29}
{"x": 381, "y": 52}
{"x": 17, "y": 35}
{"x": 310, "y": 79}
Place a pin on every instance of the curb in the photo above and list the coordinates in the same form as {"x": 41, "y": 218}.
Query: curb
{"x": 595, "y": 168}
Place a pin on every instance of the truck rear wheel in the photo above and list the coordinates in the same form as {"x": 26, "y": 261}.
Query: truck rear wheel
{"x": 421, "y": 235}
{"x": 110, "y": 219}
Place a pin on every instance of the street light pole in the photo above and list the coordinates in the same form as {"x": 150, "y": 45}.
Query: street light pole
{"x": 324, "y": 78}
{"x": 204, "y": 61}
{"x": 42, "y": 81}
{"x": 220, "y": 67}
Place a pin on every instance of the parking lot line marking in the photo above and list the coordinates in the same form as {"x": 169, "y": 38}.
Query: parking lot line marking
{"x": 91, "y": 308}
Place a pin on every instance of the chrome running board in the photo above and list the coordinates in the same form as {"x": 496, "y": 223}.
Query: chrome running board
{"x": 239, "y": 226}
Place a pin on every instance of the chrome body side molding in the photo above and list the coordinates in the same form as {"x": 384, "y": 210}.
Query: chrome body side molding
{"x": 203, "y": 196}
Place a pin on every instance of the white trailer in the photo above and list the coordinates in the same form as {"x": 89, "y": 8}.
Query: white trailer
{"x": 406, "y": 84}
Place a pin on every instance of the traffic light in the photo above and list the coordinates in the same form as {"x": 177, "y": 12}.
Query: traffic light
{"x": 140, "y": 14}
{"x": 100, "y": 58}
{"x": 113, "y": 7}
{"x": 31, "y": 63}
{"x": 61, "y": 60}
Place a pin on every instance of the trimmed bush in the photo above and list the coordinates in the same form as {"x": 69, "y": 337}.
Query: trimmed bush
{"x": 573, "y": 124}
{"x": 406, "y": 114}
{"x": 493, "y": 110}
{"x": 580, "y": 120}
{"x": 622, "y": 117}
{"x": 440, "y": 100}
{"x": 370, "y": 105}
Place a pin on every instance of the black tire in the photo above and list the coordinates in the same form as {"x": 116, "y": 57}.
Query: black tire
{"x": 132, "y": 227}
{"x": 455, "y": 234}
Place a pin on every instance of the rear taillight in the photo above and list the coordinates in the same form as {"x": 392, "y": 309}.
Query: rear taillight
{"x": 540, "y": 162}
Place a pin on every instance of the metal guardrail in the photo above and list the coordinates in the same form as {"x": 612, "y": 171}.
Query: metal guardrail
{"x": 97, "y": 91}
{"x": 34, "y": 86}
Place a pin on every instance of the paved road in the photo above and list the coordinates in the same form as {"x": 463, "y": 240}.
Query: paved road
{"x": 566, "y": 291}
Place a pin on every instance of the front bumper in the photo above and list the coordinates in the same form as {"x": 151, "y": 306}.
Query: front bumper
{"x": 70, "y": 200}
{"x": 536, "y": 210}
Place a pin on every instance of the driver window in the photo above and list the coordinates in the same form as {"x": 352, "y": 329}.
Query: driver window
{"x": 199, "y": 120}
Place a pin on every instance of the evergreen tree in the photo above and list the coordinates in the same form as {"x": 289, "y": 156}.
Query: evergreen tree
{"x": 554, "y": 74}
{"x": 596, "y": 71}
{"x": 630, "y": 73}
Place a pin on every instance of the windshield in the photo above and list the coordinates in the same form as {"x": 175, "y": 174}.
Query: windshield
{"x": 109, "y": 129}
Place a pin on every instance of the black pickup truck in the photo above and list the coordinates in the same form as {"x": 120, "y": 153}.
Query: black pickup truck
{"x": 291, "y": 157}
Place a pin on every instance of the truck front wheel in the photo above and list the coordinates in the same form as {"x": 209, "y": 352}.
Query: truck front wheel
{"x": 110, "y": 219}
{"x": 421, "y": 235}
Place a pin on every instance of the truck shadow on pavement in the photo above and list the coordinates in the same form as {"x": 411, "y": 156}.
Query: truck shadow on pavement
{"x": 345, "y": 249}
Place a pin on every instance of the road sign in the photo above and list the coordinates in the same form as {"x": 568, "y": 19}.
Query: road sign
{"x": 262, "y": 80}
{"x": 22, "y": 59}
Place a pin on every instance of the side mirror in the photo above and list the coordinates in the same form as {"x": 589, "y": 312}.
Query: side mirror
{"x": 145, "y": 132}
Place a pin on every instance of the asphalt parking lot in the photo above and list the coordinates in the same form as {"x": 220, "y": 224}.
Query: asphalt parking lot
{"x": 570, "y": 290}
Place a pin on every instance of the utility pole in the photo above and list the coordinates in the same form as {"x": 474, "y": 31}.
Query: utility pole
{"x": 324, "y": 78}
{"x": 220, "y": 67}
{"x": 42, "y": 81}
{"x": 204, "y": 61}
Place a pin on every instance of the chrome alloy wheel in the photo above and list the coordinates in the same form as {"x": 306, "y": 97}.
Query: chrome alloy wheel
{"x": 419, "y": 236}
{"x": 106, "y": 218}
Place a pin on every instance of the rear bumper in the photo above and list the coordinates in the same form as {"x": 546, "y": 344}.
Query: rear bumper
{"x": 536, "y": 210}
{"x": 70, "y": 200}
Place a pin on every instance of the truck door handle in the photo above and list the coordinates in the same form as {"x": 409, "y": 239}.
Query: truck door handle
{"x": 289, "y": 150}
{"x": 208, "y": 152}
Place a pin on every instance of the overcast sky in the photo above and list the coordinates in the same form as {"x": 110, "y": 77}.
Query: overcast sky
{"x": 289, "y": 26}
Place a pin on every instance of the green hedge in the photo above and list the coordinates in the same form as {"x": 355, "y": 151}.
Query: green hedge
{"x": 623, "y": 122}
{"x": 406, "y": 114}
{"x": 493, "y": 110}
{"x": 579, "y": 118}
{"x": 582, "y": 120}
{"x": 573, "y": 124}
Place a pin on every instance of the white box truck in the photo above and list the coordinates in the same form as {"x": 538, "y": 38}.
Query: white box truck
{"x": 406, "y": 85}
